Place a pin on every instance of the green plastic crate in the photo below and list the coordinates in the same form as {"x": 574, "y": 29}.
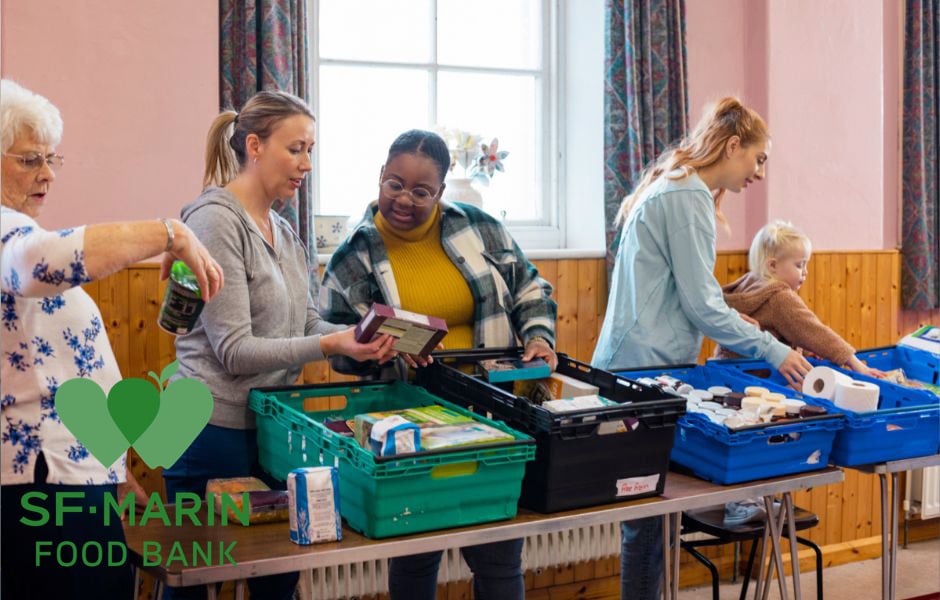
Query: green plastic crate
{"x": 388, "y": 496}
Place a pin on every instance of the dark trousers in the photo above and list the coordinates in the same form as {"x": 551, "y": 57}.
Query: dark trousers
{"x": 22, "y": 579}
{"x": 221, "y": 452}
{"x": 496, "y": 567}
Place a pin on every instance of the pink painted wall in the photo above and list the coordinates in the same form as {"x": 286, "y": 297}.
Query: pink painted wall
{"x": 716, "y": 59}
{"x": 825, "y": 75}
{"x": 137, "y": 85}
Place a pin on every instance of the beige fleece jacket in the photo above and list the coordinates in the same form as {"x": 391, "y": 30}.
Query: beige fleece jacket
{"x": 783, "y": 313}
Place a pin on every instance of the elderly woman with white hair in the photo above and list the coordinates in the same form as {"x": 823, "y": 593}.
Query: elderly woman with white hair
{"x": 52, "y": 331}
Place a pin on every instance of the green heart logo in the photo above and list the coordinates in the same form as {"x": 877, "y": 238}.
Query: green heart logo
{"x": 83, "y": 409}
{"x": 160, "y": 423}
{"x": 133, "y": 404}
{"x": 185, "y": 408}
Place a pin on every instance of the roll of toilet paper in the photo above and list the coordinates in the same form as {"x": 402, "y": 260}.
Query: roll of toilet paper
{"x": 821, "y": 382}
{"x": 857, "y": 396}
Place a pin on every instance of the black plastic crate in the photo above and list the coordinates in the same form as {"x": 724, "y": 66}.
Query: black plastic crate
{"x": 583, "y": 458}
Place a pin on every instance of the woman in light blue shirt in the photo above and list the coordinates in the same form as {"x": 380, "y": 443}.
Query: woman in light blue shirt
{"x": 664, "y": 296}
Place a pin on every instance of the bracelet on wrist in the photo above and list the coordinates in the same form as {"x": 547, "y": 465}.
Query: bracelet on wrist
{"x": 170, "y": 234}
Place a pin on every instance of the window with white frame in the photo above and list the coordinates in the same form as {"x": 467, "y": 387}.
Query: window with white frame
{"x": 381, "y": 67}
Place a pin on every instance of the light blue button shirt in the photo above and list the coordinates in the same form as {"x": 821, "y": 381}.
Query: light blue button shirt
{"x": 664, "y": 295}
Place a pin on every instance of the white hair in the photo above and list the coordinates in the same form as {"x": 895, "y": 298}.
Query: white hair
{"x": 775, "y": 240}
{"x": 21, "y": 109}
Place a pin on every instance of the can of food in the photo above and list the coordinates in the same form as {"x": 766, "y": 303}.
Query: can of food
{"x": 182, "y": 302}
{"x": 313, "y": 498}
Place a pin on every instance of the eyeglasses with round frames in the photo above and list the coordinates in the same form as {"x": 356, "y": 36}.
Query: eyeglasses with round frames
{"x": 419, "y": 196}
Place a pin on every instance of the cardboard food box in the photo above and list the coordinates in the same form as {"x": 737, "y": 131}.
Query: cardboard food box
{"x": 556, "y": 387}
{"x": 513, "y": 369}
{"x": 415, "y": 334}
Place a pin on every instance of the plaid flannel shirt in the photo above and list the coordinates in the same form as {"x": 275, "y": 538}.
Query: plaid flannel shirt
{"x": 511, "y": 302}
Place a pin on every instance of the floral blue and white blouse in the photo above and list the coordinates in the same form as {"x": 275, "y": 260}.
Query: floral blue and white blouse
{"x": 51, "y": 332}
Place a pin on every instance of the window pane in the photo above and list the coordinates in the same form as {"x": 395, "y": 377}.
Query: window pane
{"x": 504, "y": 107}
{"x": 376, "y": 30}
{"x": 490, "y": 33}
{"x": 362, "y": 111}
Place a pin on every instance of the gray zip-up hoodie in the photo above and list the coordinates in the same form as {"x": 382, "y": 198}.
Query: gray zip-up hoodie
{"x": 263, "y": 326}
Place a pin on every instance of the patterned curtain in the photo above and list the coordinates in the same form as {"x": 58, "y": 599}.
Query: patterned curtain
{"x": 920, "y": 236}
{"x": 645, "y": 94}
{"x": 263, "y": 46}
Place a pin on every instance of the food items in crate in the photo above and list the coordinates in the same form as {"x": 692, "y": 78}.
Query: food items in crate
{"x": 340, "y": 426}
{"x": 394, "y": 435}
{"x": 415, "y": 334}
{"x": 264, "y": 504}
{"x": 899, "y": 377}
{"x": 564, "y": 405}
{"x": 437, "y": 428}
{"x": 756, "y": 391}
{"x": 554, "y": 387}
{"x": 513, "y": 369}
{"x": 466, "y": 434}
{"x": 422, "y": 416}
{"x": 735, "y": 410}
{"x": 314, "y": 506}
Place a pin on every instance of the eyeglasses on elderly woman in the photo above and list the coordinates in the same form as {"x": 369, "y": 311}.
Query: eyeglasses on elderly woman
{"x": 33, "y": 161}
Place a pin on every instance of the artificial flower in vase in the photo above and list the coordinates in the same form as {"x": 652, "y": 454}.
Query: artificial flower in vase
{"x": 477, "y": 162}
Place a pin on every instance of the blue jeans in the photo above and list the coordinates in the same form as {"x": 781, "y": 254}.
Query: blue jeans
{"x": 641, "y": 559}
{"x": 496, "y": 567}
{"x": 222, "y": 452}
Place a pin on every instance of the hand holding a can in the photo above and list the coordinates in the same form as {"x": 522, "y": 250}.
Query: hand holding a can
{"x": 184, "y": 246}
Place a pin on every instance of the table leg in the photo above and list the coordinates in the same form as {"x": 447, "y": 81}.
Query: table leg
{"x": 676, "y": 548}
{"x": 775, "y": 530}
{"x": 794, "y": 551}
{"x": 212, "y": 592}
{"x": 895, "y": 502}
{"x": 240, "y": 586}
{"x": 885, "y": 528}
{"x": 760, "y": 566}
{"x": 137, "y": 581}
{"x": 305, "y": 585}
{"x": 667, "y": 570}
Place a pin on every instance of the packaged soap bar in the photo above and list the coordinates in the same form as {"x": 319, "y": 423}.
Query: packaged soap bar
{"x": 468, "y": 434}
{"x": 513, "y": 369}
{"x": 552, "y": 388}
{"x": 264, "y": 504}
{"x": 416, "y": 334}
{"x": 422, "y": 416}
{"x": 314, "y": 505}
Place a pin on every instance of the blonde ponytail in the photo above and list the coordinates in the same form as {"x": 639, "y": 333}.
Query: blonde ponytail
{"x": 221, "y": 162}
{"x": 701, "y": 148}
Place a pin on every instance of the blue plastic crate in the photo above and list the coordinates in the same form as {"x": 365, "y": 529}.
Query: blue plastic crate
{"x": 716, "y": 453}
{"x": 917, "y": 364}
{"x": 906, "y": 424}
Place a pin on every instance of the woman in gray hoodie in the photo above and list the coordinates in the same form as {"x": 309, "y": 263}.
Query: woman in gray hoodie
{"x": 263, "y": 326}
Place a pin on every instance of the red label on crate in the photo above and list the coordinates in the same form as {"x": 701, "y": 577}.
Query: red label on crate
{"x": 633, "y": 486}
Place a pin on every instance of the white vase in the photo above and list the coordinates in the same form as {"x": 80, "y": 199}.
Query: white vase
{"x": 460, "y": 189}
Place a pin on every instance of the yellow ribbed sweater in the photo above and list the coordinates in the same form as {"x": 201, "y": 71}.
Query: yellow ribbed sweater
{"x": 428, "y": 282}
